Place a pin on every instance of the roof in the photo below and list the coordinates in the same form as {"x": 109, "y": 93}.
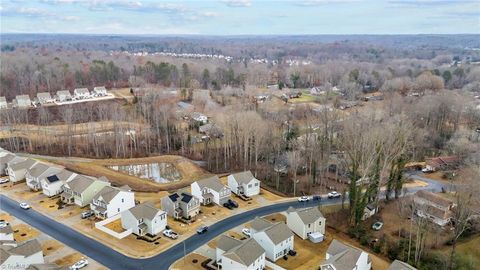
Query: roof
{"x": 7, "y": 158}
{"x": 23, "y": 97}
{"x": 307, "y": 215}
{"x": 342, "y": 256}
{"x": 81, "y": 90}
{"x": 144, "y": 210}
{"x": 399, "y": 265}
{"x": 434, "y": 198}
{"x": 80, "y": 183}
{"x": 259, "y": 224}
{"x": 278, "y": 232}
{"x": 63, "y": 175}
{"x": 64, "y": 92}
{"x": 52, "y": 179}
{"x": 108, "y": 193}
{"x": 245, "y": 253}
{"x": 3, "y": 99}
{"x": 38, "y": 169}
{"x": 45, "y": 95}
{"x": 26, "y": 164}
{"x": 226, "y": 243}
{"x": 6, "y": 229}
{"x": 27, "y": 248}
{"x": 44, "y": 266}
{"x": 243, "y": 177}
{"x": 99, "y": 88}
{"x": 186, "y": 197}
{"x": 212, "y": 182}
{"x": 442, "y": 161}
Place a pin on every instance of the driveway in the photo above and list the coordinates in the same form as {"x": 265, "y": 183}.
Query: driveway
{"x": 115, "y": 260}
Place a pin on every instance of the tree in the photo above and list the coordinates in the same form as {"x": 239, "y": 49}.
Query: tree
{"x": 205, "y": 78}
{"x": 295, "y": 78}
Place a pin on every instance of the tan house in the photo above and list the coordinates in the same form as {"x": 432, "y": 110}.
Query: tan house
{"x": 236, "y": 254}
{"x": 81, "y": 190}
{"x": 433, "y": 206}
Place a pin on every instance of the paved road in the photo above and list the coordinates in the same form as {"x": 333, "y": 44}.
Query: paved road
{"x": 115, "y": 260}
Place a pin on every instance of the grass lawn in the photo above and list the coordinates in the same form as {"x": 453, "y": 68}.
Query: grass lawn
{"x": 470, "y": 250}
{"x": 304, "y": 98}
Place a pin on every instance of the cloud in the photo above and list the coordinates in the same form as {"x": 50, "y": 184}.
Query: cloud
{"x": 429, "y": 3}
{"x": 309, "y": 3}
{"x": 26, "y": 12}
{"x": 209, "y": 14}
{"x": 237, "y": 3}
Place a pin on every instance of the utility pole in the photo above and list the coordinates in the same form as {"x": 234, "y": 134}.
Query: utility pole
{"x": 295, "y": 187}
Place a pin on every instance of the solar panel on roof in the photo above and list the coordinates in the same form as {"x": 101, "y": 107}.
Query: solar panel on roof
{"x": 174, "y": 197}
{"x": 52, "y": 178}
{"x": 186, "y": 198}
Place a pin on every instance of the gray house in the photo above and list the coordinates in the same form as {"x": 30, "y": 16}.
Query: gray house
{"x": 23, "y": 101}
{"x": 5, "y": 158}
{"x": 144, "y": 219}
{"x": 181, "y": 205}
{"x": 17, "y": 171}
{"x": 3, "y": 103}
{"x": 81, "y": 93}
{"x": 210, "y": 190}
{"x": 64, "y": 95}
{"x": 99, "y": 91}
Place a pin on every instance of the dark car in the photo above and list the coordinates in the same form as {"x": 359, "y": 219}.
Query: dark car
{"x": 202, "y": 229}
{"x": 227, "y": 205}
{"x": 316, "y": 197}
{"x": 292, "y": 252}
{"x": 233, "y": 203}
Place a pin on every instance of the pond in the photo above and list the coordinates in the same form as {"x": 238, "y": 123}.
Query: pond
{"x": 158, "y": 172}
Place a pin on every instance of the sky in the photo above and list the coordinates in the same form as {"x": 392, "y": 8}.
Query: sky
{"x": 240, "y": 17}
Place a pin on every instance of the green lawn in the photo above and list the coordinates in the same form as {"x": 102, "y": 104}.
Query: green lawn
{"x": 303, "y": 98}
{"x": 470, "y": 249}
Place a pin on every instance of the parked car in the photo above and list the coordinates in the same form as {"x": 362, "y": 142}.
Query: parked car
{"x": 304, "y": 199}
{"x": 25, "y": 206}
{"x": 79, "y": 265}
{"x": 3, "y": 223}
{"x": 202, "y": 229}
{"x": 247, "y": 232}
{"x": 233, "y": 203}
{"x": 377, "y": 225}
{"x": 316, "y": 197}
{"x": 333, "y": 194}
{"x": 170, "y": 234}
{"x": 3, "y": 180}
{"x": 292, "y": 252}
{"x": 427, "y": 170}
{"x": 227, "y": 205}
{"x": 87, "y": 214}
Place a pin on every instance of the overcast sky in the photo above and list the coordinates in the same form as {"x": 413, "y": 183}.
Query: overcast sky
{"x": 234, "y": 17}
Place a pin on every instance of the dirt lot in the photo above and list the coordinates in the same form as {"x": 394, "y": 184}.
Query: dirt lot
{"x": 51, "y": 246}
{"x": 23, "y": 232}
{"x": 192, "y": 262}
{"x": 69, "y": 259}
{"x": 97, "y": 167}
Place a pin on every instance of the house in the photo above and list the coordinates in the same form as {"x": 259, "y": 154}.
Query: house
{"x": 369, "y": 210}
{"x": 17, "y": 170}
{"x": 275, "y": 238}
{"x": 144, "y": 219}
{"x": 21, "y": 256}
{"x": 44, "y": 97}
{"x": 210, "y": 190}
{"x": 23, "y": 101}
{"x": 81, "y": 190}
{"x": 5, "y": 158}
{"x": 6, "y": 233}
{"x": 244, "y": 183}
{"x": 433, "y": 206}
{"x": 181, "y": 205}
{"x": 81, "y": 93}
{"x": 211, "y": 130}
{"x": 45, "y": 266}
{"x": 3, "y": 103}
{"x": 64, "y": 95}
{"x": 441, "y": 163}
{"x": 343, "y": 257}
{"x": 38, "y": 172}
{"x": 235, "y": 254}
{"x": 199, "y": 118}
{"x": 110, "y": 201}
{"x": 53, "y": 185}
{"x": 399, "y": 265}
{"x": 99, "y": 91}
{"x": 305, "y": 222}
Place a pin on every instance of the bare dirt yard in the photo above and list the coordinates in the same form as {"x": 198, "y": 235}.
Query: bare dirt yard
{"x": 191, "y": 262}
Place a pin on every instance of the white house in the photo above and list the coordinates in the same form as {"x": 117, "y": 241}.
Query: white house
{"x": 210, "y": 190}
{"x": 369, "y": 210}
{"x": 235, "y": 254}
{"x": 81, "y": 93}
{"x": 199, "y": 118}
{"x": 181, "y": 205}
{"x": 6, "y": 234}
{"x": 99, "y": 91}
{"x": 17, "y": 171}
{"x": 23, "y": 101}
{"x": 22, "y": 255}
{"x": 38, "y": 172}
{"x": 343, "y": 257}
{"x": 307, "y": 221}
{"x": 44, "y": 97}
{"x": 64, "y": 95}
{"x": 244, "y": 183}
{"x": 275, "y": 238}
{"x": 111, "y": 201}
{"x": 53, "y": 185}
{"x": 3, "y": 103}
{"x": 144, "y": 219}
{"x": 5, "y": 158}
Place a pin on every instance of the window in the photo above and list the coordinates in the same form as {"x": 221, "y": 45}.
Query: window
{"x": 319, "y": 223}
{"x": 309, "y": 225}
{"x": 250, "y": 185}
{"x": 123, "y": 200}
{"x": 256, "y": 184}
{"x": 118, "y": 209}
